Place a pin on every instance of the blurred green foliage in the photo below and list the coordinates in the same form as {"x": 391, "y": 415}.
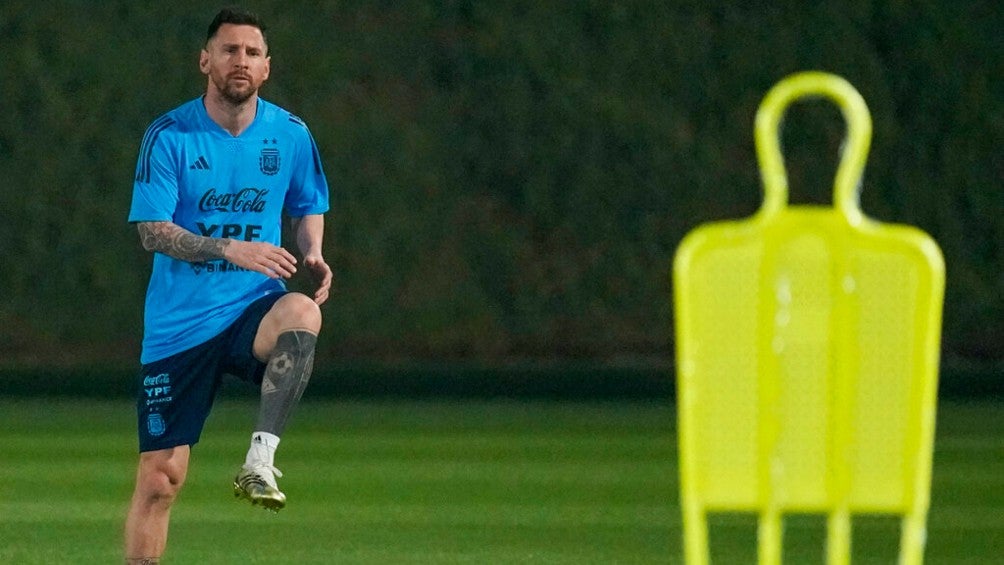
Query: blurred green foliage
{"x": 510, "y": 179}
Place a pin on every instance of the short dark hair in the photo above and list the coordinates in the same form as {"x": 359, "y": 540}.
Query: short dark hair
{"x": 235, "y": 16}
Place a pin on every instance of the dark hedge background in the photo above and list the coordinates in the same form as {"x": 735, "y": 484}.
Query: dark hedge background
{"x": 510, "y": 179}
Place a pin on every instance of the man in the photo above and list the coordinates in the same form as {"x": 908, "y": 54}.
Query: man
{"x": 213, "y": 179}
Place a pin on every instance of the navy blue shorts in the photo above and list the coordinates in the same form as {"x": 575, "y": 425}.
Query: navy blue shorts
{"x": 177, "y": 392}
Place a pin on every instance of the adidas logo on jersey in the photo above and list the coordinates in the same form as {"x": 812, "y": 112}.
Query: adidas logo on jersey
{"x": 200, "y": 163}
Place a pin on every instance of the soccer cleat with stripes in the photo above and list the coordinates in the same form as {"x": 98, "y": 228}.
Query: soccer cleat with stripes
{"x": 257, "y": 484}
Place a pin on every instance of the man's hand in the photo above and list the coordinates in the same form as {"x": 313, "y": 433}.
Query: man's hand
{"x": 321, "y": 273}
{"x": 262, "y": 257}
{"x": 309, "y": 232}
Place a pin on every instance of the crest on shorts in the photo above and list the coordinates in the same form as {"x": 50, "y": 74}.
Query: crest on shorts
{"x": 155, "y": 424}
{"x": 269, "y": 160}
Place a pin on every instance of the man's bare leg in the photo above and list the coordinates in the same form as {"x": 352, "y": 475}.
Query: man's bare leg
{"x": 158, "y": 480}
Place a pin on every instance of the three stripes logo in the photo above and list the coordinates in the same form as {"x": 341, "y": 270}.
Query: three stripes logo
{"x": 200, "y": 164}
{"x": 146, "y": 149}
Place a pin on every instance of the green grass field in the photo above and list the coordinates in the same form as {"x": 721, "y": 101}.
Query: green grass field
{"x": 441, "y": 482}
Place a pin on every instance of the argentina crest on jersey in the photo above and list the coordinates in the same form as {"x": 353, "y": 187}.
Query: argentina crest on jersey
{"x": 269, "y": 160}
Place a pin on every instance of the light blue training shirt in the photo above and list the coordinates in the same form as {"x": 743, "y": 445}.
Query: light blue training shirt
{"x": 194, "y": 173}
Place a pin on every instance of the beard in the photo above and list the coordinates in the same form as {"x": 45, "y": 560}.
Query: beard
{"x": 235, "y": 93}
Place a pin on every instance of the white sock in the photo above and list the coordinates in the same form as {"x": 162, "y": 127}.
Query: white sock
{"x": 262, "y": 451}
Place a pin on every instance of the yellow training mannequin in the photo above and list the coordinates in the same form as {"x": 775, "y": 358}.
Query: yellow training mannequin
{"x": 807, "y": 354}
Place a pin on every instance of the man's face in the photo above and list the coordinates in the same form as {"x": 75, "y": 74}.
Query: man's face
{"x": 236, "y": 62}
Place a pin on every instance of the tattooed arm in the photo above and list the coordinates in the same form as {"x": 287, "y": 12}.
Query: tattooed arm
{"x": 171, "y": 239}
{"x": 177, "y": 242}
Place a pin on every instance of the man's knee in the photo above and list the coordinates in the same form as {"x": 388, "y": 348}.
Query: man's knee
{"x": 161, "y": 477}
{"x": 159, "y": 487}
{"x": 298, "y": 311}
{"x": 292, "y": 312}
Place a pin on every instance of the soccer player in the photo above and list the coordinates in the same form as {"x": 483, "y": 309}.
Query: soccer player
{"x": 213, "y": 180}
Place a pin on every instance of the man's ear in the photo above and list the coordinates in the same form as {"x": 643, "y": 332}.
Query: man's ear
{"x": 204, "y": 62}
{"x": 268, "y": 68}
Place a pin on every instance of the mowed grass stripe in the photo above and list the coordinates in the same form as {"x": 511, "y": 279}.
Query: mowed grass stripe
{"x": 530, "y": 486}
{"x": 440, "y": 482}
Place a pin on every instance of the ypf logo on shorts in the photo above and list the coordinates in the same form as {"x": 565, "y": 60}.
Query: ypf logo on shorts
{"x": 157, "y": 389}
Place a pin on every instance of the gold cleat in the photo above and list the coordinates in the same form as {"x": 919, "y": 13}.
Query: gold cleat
{"x": 257, "y": 484}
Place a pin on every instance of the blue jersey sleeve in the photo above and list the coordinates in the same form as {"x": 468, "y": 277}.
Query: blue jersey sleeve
{"x": 155, "y": 189}
{"x": 308, "y": 190}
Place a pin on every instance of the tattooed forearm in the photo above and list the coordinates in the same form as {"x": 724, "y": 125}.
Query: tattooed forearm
{"x": 171, "y": 239}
